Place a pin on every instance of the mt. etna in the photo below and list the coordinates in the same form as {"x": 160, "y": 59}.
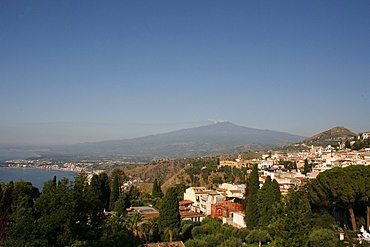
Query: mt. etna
{"x": 214, "y": 139}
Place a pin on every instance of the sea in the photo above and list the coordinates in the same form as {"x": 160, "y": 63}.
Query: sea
{"x": 36, "y": 176}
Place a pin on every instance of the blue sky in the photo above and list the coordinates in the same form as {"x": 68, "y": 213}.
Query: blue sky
{"x": 79, "y": 71}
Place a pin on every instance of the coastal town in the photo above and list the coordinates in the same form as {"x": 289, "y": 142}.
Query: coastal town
{"x": 306, "y": 163}
{"x": 226, "y": 201}
{"x": 47, "y": 164}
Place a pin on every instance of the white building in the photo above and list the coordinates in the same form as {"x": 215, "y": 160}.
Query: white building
{"x": 238, "y": 220}
{"x": 228, "y": 186}
{"x": 202, "y": 198}
{"x": 265, "y": 164}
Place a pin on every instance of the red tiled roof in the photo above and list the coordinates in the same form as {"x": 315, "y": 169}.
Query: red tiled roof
{"x": 185, "y": 214}
{"x": 185, "y": 202}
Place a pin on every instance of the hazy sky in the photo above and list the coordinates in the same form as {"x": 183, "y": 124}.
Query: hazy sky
{"x": 78, "y": 71}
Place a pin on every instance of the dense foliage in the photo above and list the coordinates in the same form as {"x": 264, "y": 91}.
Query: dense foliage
{"x": 343, "y": 189}
{"x": 212, "y": 233}
{"x": 157, "y": 191}
{"x": 268, "y": 196}
{"x": 169, "y": 218}
{"x": 206, "y": 172}
{"x": 251, "y": 210}
{"x": 71, "y": 213}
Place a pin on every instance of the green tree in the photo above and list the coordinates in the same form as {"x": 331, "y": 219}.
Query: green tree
{"x": 57, "y": 214}
{"x": 24, "y": 190}
{"x": 21, "y": 225}
{"x": 195, "y": 243}
{"x": 88, "y": 206}
{"x": 342, "y": 187}
{"x": 347, "y": 144}
{"x": 50, "y": 185}
{"x": 114, "y": 195}
{"x": 251, "y": 210}
{"x": 211, "y": 232}
{"x": 6, "y": 197}
{"x": 217, "y": 180}
{"x": 120, "y": 206}
{"x": 180, "y": 189}
{"x": 322, "y": 238}
{"x": 293, "y": 220}
{"x": 157, "y": 190}
{"x": 149, "y": 231}
{"x": 116, "y": 233}
{"x": 133, "y": 222}
{"x": 96, "y": 190}
{"x": 258, "y": 236}
{"x": 289, "y": 165}
{"x": 232, "y": 242}
{"x": 5, "y": 208}
{"x": 268, "y": 195}
{"x": 105, "y": 189}
{"x": 359, "y": 144}
{"x": 169, "y": 212}
{"x": 305, "y": 167}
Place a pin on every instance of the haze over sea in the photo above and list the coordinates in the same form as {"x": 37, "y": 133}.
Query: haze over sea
{"x": 15, "y": 155}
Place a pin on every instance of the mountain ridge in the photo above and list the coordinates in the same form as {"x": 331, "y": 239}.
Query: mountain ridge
{"x": 214, "y": 139}
{"x": 330, "y": 137}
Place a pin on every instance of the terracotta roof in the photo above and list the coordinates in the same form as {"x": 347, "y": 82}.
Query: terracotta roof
{"x": 186, "y": 214}
{"x": 185, "y": 202}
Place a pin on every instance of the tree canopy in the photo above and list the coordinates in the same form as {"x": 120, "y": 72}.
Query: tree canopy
{"x": 342, "y": 188}
{"x": 251, "y": 210}
{"x": 169, "y": 211}
{"x": 268, "y": 196}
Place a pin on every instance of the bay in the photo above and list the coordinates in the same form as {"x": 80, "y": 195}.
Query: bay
{"x": 36, "y": 176}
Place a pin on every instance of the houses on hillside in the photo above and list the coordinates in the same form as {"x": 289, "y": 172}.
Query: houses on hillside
{"x": 221, "y": 203}
{"x": 226, "y": 201}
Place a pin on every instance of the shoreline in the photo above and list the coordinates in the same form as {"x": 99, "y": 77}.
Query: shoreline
{"x": 40, "y": 168}
{"x": 42, "y": 165}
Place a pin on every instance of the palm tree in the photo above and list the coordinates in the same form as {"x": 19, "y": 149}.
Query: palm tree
{"x": 147, "y": 230}
{"x": 133, "y": 222}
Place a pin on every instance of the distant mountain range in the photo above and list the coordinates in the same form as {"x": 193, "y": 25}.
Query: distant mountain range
{"x": 214, "y": 139}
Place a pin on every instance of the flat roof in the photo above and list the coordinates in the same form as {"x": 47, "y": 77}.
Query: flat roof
{"x": 145, "y": 210}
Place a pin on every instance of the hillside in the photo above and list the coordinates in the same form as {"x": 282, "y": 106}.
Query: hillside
{"x": 189, "y": 172}
{"x": 159, "y": 169}
{"x": 330, "y": 137}
{"x": 172, "y": 171}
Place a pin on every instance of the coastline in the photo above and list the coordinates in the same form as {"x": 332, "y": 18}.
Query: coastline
{"x": 39, "y": 168}
{"x": 45, "y": 164}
